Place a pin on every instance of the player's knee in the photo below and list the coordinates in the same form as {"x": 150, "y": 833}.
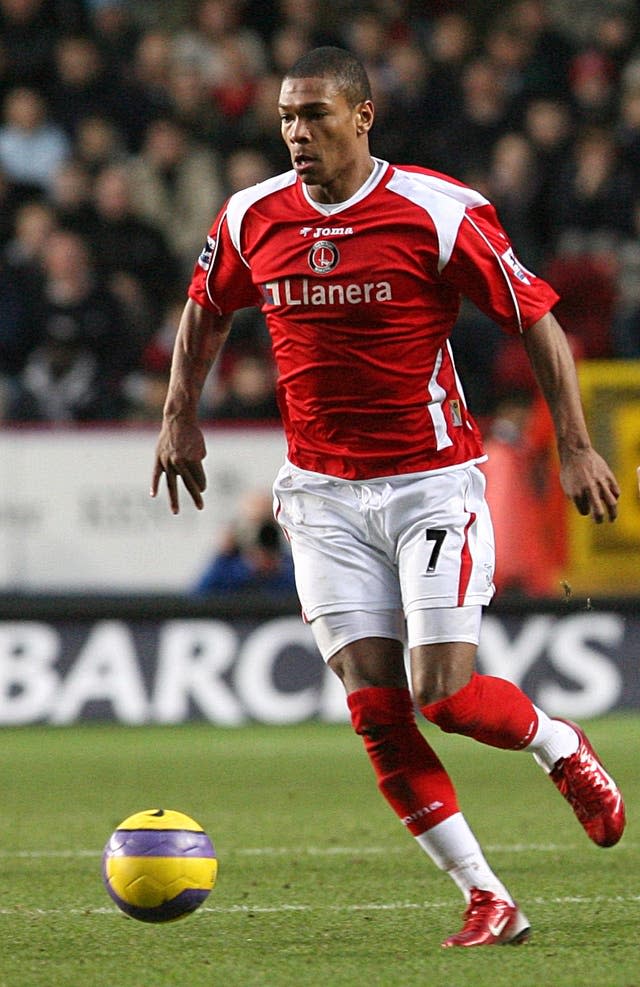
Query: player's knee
{"x": 370, "y": 664}
{"x": 456, "y": 712}
{"x": 376, "y": 711}
{"x": 430, "y": 687}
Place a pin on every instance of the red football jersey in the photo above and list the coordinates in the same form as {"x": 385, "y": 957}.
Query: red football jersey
{"x": 360, "y": 303}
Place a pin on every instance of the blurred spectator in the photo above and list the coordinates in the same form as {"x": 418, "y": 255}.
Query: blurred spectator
{"x": 145, "y": 387}
{"x": 594, "y": 189}
{"x": 548, "y": 127}
{"x": 310, "y": 19}
{"x": 288, "y": 44}
{"x": 545, "y": 73}
{"x": 628, "y": 129}
{"x": 512, "y": 187}
{"x": 217, "y": 26}
{"x": 152, "y": 64}
{"x": 464, "y": 145}
{"x": 17, "y": 320}
{"x": 234, "y": 91}
{"x": 406, "y": 93}
{"x": 476, "y": 341}
{"x": 246, "y": 392}
{"x": 245, "y": 167}
{"x": 75, "y": 367}
{"x": 82, "y": 87}
{"x": 70, "y": 195}
{"x": 511, "y": 51}
{"x": 626, "y": 317}
{"x": 587, "y": 316}
{"x": 31, "y": 144}
{"x": 145, "y": 392}
{"x": 252, "y": 554}
{"x": 158, "y": 350}
{"x": 592, "y": 88}
{"x": 22, "y": 265}
{"x": 256, "y": 125}
{"x": 249, "y": 335}
{"x": 34, "y": 222}
{"x": 450, "y": 41}
{"x": 98, "y": 143}
{"x": 192, "y": 104}
{"x": 132, "y": 253}
{"x": 527, "y": 503}
{"x": 365, "y": 34}
{"x": 625, "y": 330}
{"x": 113, "y": 25}
{"x": 616, "y": 35}
{"x": 175, "y": 184}
{"x": 28, "y": 32}
{"x": 145, "y": 90}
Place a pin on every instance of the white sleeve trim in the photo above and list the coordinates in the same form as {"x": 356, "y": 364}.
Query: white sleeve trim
{"x": 501, "y": 265}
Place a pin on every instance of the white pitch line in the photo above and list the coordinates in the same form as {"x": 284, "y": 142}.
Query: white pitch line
{"x": 309, "y": 851}
{"x": 390, "y": 906}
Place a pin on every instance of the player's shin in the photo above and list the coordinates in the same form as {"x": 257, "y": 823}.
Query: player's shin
{"x": 491, "y": 710}
{"x": 409, "y": 774}
{"x": 417, "y": 787}
{"x": 496, "y": 712}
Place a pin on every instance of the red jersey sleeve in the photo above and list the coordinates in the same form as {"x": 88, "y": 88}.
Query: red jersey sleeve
{"x": 484, "y": 268}
{"x": 221, "y": 280}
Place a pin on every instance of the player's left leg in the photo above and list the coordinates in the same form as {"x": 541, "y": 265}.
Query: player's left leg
{"x": 496, "y": 712}
{"x": 446, "y": 558}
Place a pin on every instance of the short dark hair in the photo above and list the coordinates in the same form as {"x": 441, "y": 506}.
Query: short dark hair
{"x": 338, "y": 64}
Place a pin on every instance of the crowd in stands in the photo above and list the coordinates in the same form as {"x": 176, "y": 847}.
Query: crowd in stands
{"x": 123, "y": 127}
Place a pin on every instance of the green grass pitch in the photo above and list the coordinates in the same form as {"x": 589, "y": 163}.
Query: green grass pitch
{"x": 319, "y": 885}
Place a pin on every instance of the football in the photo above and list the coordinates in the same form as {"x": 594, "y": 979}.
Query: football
{"x": 159, "y": 865}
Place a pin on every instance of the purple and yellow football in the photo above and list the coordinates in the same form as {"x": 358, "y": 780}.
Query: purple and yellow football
{"x": 159, "y": 865}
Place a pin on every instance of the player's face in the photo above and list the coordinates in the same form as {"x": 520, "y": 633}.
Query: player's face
{"x": 326, "y": 137}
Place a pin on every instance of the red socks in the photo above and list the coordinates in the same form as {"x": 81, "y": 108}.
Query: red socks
{"x": 410, "y": 776}
{"x": 491, "y": 710}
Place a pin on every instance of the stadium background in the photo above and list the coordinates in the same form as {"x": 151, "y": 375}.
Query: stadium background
{"x": 123, "y": 128}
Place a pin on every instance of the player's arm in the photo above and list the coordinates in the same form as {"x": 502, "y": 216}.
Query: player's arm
{"x": 181, "y": 448}
{"x": 584, "y": 474}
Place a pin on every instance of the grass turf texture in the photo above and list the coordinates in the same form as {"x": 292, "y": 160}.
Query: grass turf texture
{"x": 318, "y": 882}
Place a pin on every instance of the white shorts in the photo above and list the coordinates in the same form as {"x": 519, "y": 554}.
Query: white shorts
{"x": 407, "y": 543}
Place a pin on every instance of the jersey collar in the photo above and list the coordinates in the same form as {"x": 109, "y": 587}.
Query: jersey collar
{"x": 373, "y": 180}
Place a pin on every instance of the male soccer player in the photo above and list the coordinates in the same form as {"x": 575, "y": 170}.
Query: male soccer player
{"x": 358, "y": 266}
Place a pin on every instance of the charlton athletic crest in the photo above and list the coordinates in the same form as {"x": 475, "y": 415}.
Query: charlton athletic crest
{"x": 323, "y": 257}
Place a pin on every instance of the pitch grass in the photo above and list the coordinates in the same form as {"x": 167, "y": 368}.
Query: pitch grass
{"x": 319, "y": 886}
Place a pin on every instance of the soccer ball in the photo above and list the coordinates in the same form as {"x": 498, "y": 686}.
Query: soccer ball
{"x": 159, "y": 865}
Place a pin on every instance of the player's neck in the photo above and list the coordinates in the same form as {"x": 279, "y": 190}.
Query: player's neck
{"x": 344, "y": 186}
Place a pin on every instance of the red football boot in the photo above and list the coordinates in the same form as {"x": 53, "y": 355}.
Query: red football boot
{"x": 591, "y": 792}
{"x": 490, "y": 921}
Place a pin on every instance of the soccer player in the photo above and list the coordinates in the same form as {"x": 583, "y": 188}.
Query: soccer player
{"x": 358, "y": 266}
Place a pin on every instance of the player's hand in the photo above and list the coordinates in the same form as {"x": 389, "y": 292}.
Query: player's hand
{"x": 179, "y": 453}
{"x": 587, "y": 479}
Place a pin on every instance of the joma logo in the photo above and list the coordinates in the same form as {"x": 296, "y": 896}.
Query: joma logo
{"x": 322, "y": 231}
